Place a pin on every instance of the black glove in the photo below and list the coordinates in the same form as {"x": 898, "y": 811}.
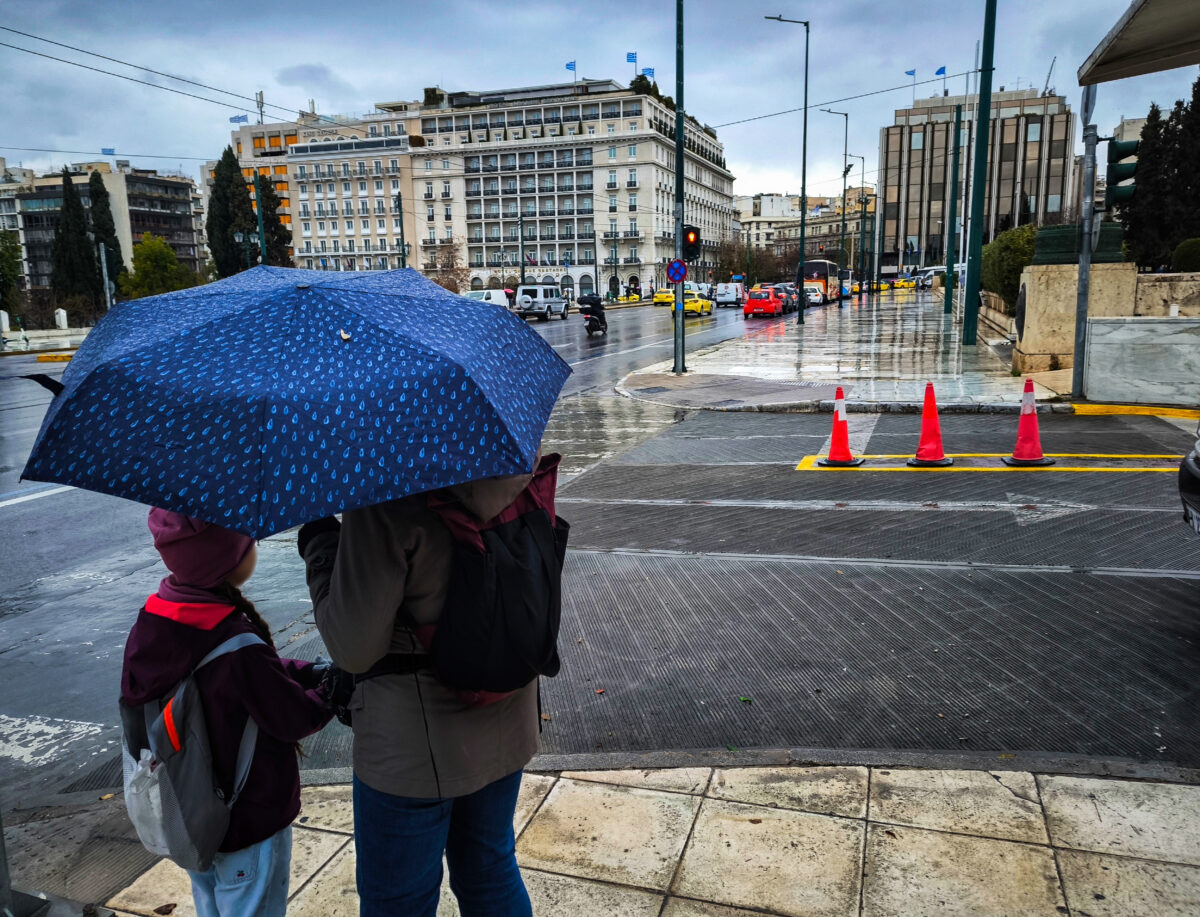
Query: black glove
{"x": 311, "y": 530}
{"x": 337, "y": 687}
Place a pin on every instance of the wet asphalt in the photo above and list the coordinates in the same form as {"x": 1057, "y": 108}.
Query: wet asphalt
{"x": 1049, "y": 612}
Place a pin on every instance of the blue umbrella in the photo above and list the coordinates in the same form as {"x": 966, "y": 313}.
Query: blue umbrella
{"x": 278, "y": 396}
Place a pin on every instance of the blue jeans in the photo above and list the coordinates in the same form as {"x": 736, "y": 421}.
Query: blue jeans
{"x": 251, "y": 882}
{"x": 400, "y": 842}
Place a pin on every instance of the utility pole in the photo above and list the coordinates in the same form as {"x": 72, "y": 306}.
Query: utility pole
{"x": 262, "y": 232}
{"x": 400, "y": 213}
{"x": 680, "y": 367}
{"x": 1090, "y": 139}
{"x": 951, "y": 246}
{"x": 803, "y": 171}
{"x": 979, "y": 180}
{"x": 104, "y": 278}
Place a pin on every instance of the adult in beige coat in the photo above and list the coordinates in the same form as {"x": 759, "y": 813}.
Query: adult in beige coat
{"x": 432, "y": 773}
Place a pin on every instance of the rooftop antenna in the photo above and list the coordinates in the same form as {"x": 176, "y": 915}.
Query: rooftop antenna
{"x": 1046, "y": 88}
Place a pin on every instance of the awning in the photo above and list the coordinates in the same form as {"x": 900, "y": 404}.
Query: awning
{"x": 1153, "y": 35}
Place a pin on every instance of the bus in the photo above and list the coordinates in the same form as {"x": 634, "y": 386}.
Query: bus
{"x": 822, "y": 275}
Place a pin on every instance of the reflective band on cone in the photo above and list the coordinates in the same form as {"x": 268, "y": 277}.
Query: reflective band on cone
{"x": 840, "y": 455}
{"x": 1028, "y": 450}
{"x": 930, "y": 453}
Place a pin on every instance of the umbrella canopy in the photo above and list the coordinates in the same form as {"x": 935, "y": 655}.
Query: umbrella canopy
{"x": 278, "y": 396}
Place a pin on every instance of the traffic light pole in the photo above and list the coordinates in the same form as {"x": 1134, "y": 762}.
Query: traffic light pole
{"x": 970, "y": 333}
{"x": 1085, "y": 256}
{"x": 680, "y": 368}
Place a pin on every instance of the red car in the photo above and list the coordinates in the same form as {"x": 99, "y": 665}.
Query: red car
{"x": 764, "y": 302}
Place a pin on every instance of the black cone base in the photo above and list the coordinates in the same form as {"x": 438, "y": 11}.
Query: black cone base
{"x": 1026, "y": 463}
{"x": 930, "y": 463}
{"x": 831, "y": 463}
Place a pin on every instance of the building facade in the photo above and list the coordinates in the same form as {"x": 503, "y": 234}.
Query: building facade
{"x": 569, "y": 183}
{"x": 1030, "y": 172}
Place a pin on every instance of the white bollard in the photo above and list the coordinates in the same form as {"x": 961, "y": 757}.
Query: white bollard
{"x": 1173, "y": 310}
{"x": 3, "y": 322}
{"x": 60, "y": 318}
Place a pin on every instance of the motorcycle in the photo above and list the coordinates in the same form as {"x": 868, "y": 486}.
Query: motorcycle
{"x": 592, "y": 311}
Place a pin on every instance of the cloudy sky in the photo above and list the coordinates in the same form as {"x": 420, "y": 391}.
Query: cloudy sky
{"x": 347, "y": 56}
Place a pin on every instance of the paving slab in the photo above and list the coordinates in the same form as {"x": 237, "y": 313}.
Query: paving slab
{"x": 1153, "y": 820}
{"x": 534, "y": 788}
{"x": 332, "y": 892}
{"x": 685, "y": 907}
{"x": 166, "y": 883}
{"x": 792, "y": 863}
{"x": 912, "y": 871}
{"x": 619, "y": 834}
{"x": 554, "y": 894}
{"x": 330, "y": 808}
{"x": 999, "y": 804}
{"x": 1109, "y": 886}
{"x": 822, "y": 790}
{"x": 674, "y": 780}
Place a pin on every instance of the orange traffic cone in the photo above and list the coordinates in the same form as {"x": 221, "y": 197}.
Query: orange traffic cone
{"x": 840, "y": 455}
{"x": 1028, "y": 450}
{"x": 929, "y": 451}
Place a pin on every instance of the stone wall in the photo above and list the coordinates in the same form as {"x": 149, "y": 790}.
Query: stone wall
{"x": 1046, "y": 337}
{"x": 1157, "y": 292}
{"x": 1144, "y": 360}
{"x": 992, "y": 317}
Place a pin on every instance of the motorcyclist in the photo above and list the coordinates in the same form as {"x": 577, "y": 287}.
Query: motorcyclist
{"x": 591, "y": 304}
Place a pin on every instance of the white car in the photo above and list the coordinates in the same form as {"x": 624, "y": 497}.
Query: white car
{"x": 541, "y": 300}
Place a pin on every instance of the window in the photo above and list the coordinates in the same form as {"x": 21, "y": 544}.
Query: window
{"x": 446, "y": 215}
{"x": 633, "y": 175}
{"x": 428, "y": 165}
{"x": 633, "y": 125}
{"x": 366, "y": 225}
{"x": 303, "y": 190}
{"x": 1053, "y": 203}
{"x": 612, "y": 151}
{"x": 1033, "y": 132}
{"x": 396, "y": 223}
{"x": 395, "y": 184}
{"x": 429, "y": 213}
{"x": 331, "y": 188}
{"x": 445, "y": 189}
{"x": 382, "y": 225}
{"x": 345, "y": 187}
{"x": 633, "y": 202}
{"x": 633, "y": 151}
{"x": 379, "y": 184}
{"x": 320, "y": 225}
{"x": 446, "y": 164}
{"x": 917, "y": 141}
{"x": 306, "y": 228}
{"x": 362, "y": 187}
{"x": 394, "y": 165}
{"x": 592, "y": 129}
{"x": 612, "y": 128}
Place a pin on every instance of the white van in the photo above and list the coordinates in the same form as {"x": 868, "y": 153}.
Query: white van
{"x": 730, "y": 294}
{"x": 495, "y": 297}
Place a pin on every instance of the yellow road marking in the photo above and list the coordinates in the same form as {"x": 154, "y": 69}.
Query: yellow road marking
{"x": 53, "y": 357}
{"x": 1136, "y": 409}
{"x": 809, "y": 463}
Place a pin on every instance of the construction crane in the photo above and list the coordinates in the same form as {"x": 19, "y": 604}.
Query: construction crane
{"x": 1046, "y": 88}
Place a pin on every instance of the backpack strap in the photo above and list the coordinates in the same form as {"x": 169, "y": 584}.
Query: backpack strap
{"x": 245, "y": 756}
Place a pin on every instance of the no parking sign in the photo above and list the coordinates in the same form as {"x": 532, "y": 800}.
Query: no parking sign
{"x": 676, "y": 271}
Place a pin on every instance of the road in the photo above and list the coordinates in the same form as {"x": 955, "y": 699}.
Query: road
{"x": 1048, "y": 612}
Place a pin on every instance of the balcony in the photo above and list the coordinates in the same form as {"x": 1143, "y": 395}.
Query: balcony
{"x": 533, "y": 120}
{"x": 566, "y": 234}
{"x": 631, "y": 234}
{"x": 491, "y": 167}
{"x": 516, "y": 122}
{"x": 476, "y": 240}
{"x": 493, "y": 215}
{"x": 565, "y": 188}
{"x": 470, "y": 170}
{"x": 612, "y": 208}
{"x": 445, "y": 195}
{"x": 566, "y": 211}
{"x": 583, "y": 161}
{"x": 475, "y": 215}
{"x": 611, "y": 113}
{"x": 528, "y": 165}
{"x": 474, "y": 192}
{"x": 611, "y": 185}
{"x": 585, "y": 211}
{"x": 491, "y": 192}
{"x": 546, "y": 213}
{"x": 632, "y": 183}
{"x": 495, "y": 262}
{"x": 545, "y": 189}
{"x": 508, "y": 166}
{"x": 424, "y": 242}
{"x": 587, "y": 261}
{"x": 593, "y": 115}
{"x": 564, "y": 164}
{"x": 548, "y": 236}
{"x": 612, "y": 234}
{"x": 612, "y": 260}
{"x": 633, "y": 260}
{"x": 585, "y": 187}
{"x": 510, "y": 189}
{"x": 428, "y": 195}
{"x": 493, "y": 240}
{"x": 587, "y": 234}
{"x": 570, "y": 118}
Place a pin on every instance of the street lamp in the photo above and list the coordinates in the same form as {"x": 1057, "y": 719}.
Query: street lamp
{"x": 803, "y": 170}
{"x": 862, "y": 223}
{"x": 239, "y": 238}
{"x": 845, "y": 172}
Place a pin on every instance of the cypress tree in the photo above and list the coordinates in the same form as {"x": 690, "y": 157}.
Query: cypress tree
{"x": 230, "y": 211}
{"x": 74, "y": 272}
{"x": 1187, "y": 170}
{"x": 104, "y": 229}
{"x": 279, "y": 239}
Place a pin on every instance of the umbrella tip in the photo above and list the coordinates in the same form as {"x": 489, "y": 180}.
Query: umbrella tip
{"x": 302, "y": 286}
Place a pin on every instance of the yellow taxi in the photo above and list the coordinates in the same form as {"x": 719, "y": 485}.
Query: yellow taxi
{"x": 904, "y": 283}
{"x": 630, "y": 298}
{"x": 694, "y": 302}
{"x": 664, "y": 297}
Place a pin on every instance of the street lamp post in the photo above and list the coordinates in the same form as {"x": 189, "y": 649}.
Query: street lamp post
{"x": 862, "y": 223}
{"x": 239, "y": 238}
{"x": 845, "y": 172}
{"x": 803, "y": 171}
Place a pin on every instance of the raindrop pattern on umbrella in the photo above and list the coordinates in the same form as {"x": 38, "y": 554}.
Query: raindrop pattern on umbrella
{"x": 279, "y": 396}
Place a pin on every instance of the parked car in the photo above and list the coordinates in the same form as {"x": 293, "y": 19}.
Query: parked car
{"x": 790, "y": 300}
{"x": 541, "y": 300}
{"x": 730, "y": 294}
{"x": 496, "y": 297}
{"x": 763, "y": 302}
{"x": 814, "y": 295}
{"x": 665, "y": 297}
{"x": 1189, "y": 485}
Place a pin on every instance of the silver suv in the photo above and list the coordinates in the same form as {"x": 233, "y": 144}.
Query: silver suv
{"x": 542, "y": 300}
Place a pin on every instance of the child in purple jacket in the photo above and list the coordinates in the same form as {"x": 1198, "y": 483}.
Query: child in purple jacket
{"x": 196, "y": 608}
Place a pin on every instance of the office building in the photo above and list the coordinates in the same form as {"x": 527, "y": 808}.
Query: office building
{"x": 1030, "y": 174}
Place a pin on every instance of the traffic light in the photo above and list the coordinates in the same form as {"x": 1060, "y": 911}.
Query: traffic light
{"x": 1116, "y": 193}
{"x": 691, "y": 243}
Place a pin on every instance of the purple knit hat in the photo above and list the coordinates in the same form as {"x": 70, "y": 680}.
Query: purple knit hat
{"x": 197, "y": 553}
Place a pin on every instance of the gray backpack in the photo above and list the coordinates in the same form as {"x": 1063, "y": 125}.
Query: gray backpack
{"x": 171, "y": 792}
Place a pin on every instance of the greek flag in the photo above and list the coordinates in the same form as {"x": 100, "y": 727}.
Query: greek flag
{"x": 940, "y": 71}
{"x": 108, "y": 151}
{"x": 571, "y": 65}
{"x": 240, "y": 119}
{"x": 910, "y": 72}
{"x": 648, "y": 72}
{"x": 631, "y": 57}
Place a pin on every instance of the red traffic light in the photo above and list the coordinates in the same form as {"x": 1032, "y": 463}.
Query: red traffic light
{"x": 691, "y": 237}
{"x": 691, "y": 243}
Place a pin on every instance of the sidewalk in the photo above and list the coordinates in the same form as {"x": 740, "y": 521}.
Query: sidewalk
{"x": 701, "y": 842}
{"x": 881, "y": 351}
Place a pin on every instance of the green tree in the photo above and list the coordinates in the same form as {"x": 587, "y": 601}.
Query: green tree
{"x": 1186, "y": 257}
{"x": 1003, "y": 260}
{"x": 279, "y": 239}
{"x": 74, "y": 274}
{"x": 156, "y": 269}
{"x": 229, "y": 212}
{"x": 103, "y": 228}
{"x": 10, "y": 272}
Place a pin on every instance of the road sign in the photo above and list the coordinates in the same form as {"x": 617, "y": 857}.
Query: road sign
{"x": 676, "y": 271}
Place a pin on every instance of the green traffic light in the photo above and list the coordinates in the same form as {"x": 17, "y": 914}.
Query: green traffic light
{"x": 1122, "y": 149}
